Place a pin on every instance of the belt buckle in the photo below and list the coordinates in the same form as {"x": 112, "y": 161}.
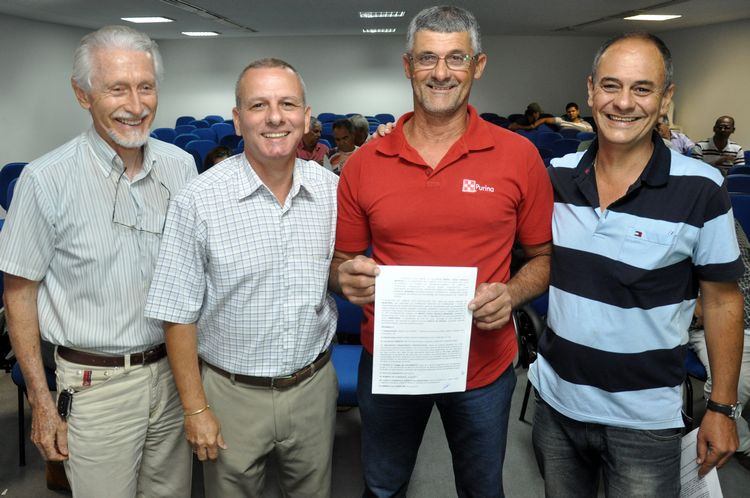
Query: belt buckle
{"x": 148, "y": 354}
{"x": 275, "y": 380}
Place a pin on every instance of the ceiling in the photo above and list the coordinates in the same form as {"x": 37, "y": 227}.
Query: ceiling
{"x": 250, "y": 18}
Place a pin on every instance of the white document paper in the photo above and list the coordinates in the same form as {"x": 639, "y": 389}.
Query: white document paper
{"x": 692, "y": 485}
{"x": 422, "y": 329}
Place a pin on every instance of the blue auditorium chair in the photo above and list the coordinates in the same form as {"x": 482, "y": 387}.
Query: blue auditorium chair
{"x": 564, "y": 146}
{"x": 165, "y": 134}
{"x": 214, "y": 118}
{"x": 739, "y": 183}
{"x": 200, "y": 149}
{"x": 181, "y": 129}
{"x": 385, "y": 118}
{"x": 739, "y": 170}
{"x": 200, "y": 123}
{"x": 543, "y": 139}
{"x": 182, "y": 140}
{"x": 585, "y": 135}
{"x": 8, "y": 173}
{"x": 222, "y": 129}
{"x": 183, "y": 120}
{"x": 206, "y": 134}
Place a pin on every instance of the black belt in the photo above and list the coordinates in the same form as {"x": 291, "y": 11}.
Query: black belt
{"x": 98, "y": 360}
{"x": 277, "y": 382}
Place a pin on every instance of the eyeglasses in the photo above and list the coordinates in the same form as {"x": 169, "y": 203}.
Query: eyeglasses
{"x": 133, "y": 227}
{"x": 428, "y": 60}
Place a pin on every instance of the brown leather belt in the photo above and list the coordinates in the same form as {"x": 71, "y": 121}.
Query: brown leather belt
{"x": 277, "y": 382}
{"x": 98, "y": 360}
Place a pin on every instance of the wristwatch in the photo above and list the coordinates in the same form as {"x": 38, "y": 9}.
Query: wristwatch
{"x": 732, "y": 411}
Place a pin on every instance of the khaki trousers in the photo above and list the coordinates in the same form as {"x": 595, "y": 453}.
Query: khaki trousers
{"x": 125, "y": 432}
{"x": 295, "y": 424}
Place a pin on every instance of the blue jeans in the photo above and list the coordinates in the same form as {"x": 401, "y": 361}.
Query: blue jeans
{"x": 475, "y": 423}
{"x": 571, "y": 454}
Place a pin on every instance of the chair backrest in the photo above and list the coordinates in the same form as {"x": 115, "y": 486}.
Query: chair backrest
{"x": 200, "y": 149}
{"x": 741, "y": 209}
{"x": 222, "y": 129}
{"x": 214, "y": 118}
{"x": 385, "y": 118}
{"x": 569, "y": 132}
{"x": 230, "y": 141}
{"x": 585, "y": 135}
{"x": 11, "y": 189}
{"x": 530, "y": 134}
{"x": 240, "y": 146}
{"x": 326, "y": 117}
{"x": 182, "y": 140}
{"x": 739, "y": 170}
{"x": 8, "y": 173}
{"x": 542, "y": 139}
{"x": 181, "y": 129}
{"x": 563, "y": 146}
{"x": 183, "y": 120}
{"x": 200, "y": 123}
{"x": 325, "y": 142}
{"x": 165, "y": 134}
{"x": 739, "y": 183}
{"x": 747, "y": 156}
{"x": 350, "y": 317}
{"x": 529, "y": 326}
{"x": 206, "y": 134}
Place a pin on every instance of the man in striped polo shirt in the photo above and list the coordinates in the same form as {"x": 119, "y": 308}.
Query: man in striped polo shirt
{"x": 637, "y": 231}
{"x": 718, "y": 150}
{"x": 78, "y": 250}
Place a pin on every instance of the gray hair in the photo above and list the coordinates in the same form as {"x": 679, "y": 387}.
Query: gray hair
{"x": 109, "y": 37}
{"x": 445, "y": 19}
{"x": 359, "y": 122}
{"x": 314, "y": 122}
{"x": 269, "y": 62}
{"x": 666, "y": 55}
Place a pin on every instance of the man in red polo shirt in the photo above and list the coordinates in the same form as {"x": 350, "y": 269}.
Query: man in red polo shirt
{"x": 445, "y": 188}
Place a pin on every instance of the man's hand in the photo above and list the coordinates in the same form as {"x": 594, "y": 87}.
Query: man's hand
{"x": 203, "y": 432}
{"x": 49, "y": 432}
{"x": 491, "y": 305}
{"x": 357, "y": 279}
{"x": 717, "y": 441}
{"x": 383, "y": 130}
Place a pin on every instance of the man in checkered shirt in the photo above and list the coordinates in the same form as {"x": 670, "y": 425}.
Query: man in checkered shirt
{"x": 241, "y": 282}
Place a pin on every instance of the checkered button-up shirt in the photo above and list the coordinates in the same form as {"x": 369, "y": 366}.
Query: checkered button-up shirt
{"x": 252, "y": 273}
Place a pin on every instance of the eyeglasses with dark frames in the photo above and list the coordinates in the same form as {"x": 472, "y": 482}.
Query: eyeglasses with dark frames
{"x": 133, "y": 227}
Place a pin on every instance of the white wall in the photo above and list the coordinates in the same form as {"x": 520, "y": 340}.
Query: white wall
{"x": 364, "y": 74}
{"x": 712, "y": 72}
{"x": 355, "y": 74}
{"x": 39, "y": 110}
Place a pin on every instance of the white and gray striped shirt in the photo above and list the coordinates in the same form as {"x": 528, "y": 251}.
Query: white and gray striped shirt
{"x": 94, "y": 271}
{"x": 253, "y": 274}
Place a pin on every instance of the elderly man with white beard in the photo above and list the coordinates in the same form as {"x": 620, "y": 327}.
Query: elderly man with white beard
{"x": 78, "y": 251}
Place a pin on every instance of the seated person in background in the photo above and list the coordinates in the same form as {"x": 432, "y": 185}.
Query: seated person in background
{"x": 343, "y": 133}
{"x": 361, "y": 129}
{"x": 698, "y": 344}
{"x": 216, "y": 156}
{"x": 309, "y": 147}
{"x": 530, "y": 116}
{"x": 571, "y": 119}
{"x": 674, "y": 139}
{"x": 718, "y": 150}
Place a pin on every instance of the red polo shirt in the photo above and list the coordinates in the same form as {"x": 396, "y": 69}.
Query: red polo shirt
{"x": 490, "y": 189}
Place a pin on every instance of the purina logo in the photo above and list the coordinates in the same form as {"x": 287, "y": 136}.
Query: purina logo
{"x": 473, "y": 186}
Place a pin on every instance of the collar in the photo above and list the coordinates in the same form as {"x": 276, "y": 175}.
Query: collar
{"x": 248, "y": 182}
{"x": 107, "y": 159}
{"x": 655, "y": 174}
{"x": 477, "y": 136}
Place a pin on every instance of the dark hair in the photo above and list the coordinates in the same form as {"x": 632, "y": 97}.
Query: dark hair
{"x": 666, "y": 55}
{"x": 343, "y": 123}
{"x": 571, "y": 104}
{"x": 216, "y": 153}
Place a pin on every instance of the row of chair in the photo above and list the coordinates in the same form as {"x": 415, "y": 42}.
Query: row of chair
{"x": 201, "y": 123}
{"x": 214, "y": 132}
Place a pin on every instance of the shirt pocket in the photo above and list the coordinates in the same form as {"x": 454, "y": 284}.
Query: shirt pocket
{"x": 644, "y": 250}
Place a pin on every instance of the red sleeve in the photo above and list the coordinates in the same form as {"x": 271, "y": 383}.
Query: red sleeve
{"x": 352, "y": 225}
{"x": 535, "y": 212}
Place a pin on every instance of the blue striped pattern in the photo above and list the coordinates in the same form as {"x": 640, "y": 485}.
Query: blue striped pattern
{"x": 623, "y": 287}
{"x": 253, "y": 274}
{"x": 93, "y": 273}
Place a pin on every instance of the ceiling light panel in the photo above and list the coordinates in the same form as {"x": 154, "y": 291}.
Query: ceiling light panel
{"x": 147, "y": 20}
{"x": 372, "y": 14}
{"x": 652, "y": 17}
{"x": 378, "y": 30}
{"x": 200, "y": 33}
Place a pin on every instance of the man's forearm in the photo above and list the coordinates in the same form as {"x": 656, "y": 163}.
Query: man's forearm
{"x": 723, "y": 324}
{"x": 532, "y": 279}
{"x": 20, "y": 297}
{"x": 182, "y": 351}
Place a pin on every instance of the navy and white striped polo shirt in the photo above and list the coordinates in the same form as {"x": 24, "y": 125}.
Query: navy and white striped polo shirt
{"x": 623, "y": 287}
